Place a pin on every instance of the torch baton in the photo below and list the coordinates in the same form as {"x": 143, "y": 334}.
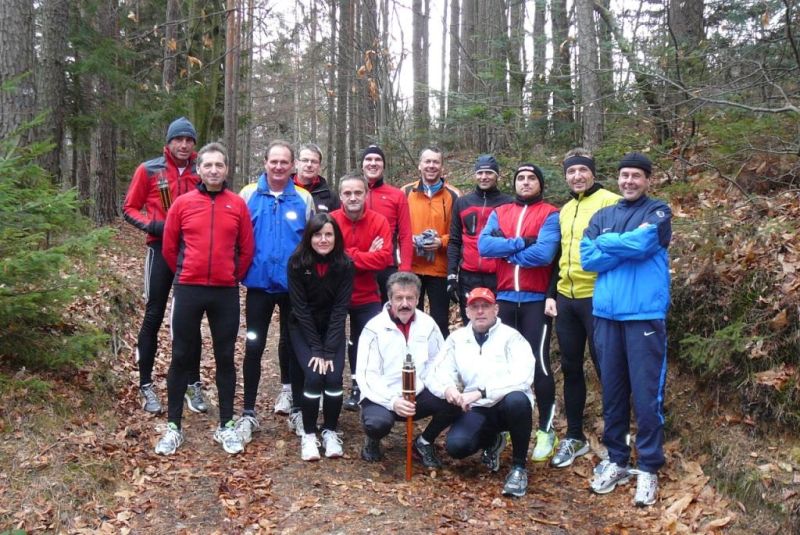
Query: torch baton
{"x": 164, "y": 193}
{"x": 409, "y": 394}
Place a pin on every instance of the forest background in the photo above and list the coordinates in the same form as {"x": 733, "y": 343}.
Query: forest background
{"x": 709, "y": 89}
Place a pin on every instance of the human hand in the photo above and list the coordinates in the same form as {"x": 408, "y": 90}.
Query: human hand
{"x": 404, "y": 408}
{"x": 436, "y": 245}
{"x": 468, "y": 398}
{"x": 550, "y": 307}
{"x": 320, "y": 365}
{"x": 452, "y": 288}
{"x": 452, "y": 396}
{"x": 376, "y": 245}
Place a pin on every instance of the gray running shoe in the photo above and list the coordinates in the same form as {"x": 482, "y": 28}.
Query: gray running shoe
{"x": 491, "y": 455}
{"x": 283, "y": 403}
{"x": 569, "y": 449}
{"x": 646, "y": 488}
{"x": 227, "y": 436}
{"x": 194, "y": 397}
{"x": 516, "y": 482}
{"x": 150, "y": 401}
{"x": 246, "y": 425}
{"x": 171, "y": 441}
{"x": 609, "y": 477}
{"x": 332, "y": 443}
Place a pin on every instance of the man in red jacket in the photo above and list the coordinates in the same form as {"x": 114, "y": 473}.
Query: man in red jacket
{"x": 154, "y": 186}
{"x": 367, "y": 241}
{"x": 392, "y": 204}
{"x": 208, "y": 243}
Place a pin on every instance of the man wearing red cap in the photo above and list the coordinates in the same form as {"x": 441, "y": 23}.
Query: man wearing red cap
{"x": 495, "y": 365}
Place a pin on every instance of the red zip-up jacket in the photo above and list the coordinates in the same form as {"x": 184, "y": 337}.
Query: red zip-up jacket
{"x": 390, "y": 202}
{"x": 143, "y": 192}
{"x": 358, "y": 236}
{"x": 208, "y": 238}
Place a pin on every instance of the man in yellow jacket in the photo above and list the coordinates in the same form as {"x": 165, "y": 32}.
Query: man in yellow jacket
{"x": 572, "y": 299}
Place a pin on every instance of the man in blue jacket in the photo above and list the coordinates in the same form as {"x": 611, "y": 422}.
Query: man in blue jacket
{"x": 279, "y": 212}
{"x": 626, "y": 244}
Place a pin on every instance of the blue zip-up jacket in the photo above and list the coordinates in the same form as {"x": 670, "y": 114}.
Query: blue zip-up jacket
{"x": 626, "y": 245}
{"x": 278, "y": 224}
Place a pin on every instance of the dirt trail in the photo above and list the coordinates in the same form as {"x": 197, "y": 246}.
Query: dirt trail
{"x": 201, "y": 489}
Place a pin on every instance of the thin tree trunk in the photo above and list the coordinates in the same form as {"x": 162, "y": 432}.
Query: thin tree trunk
{"x": 516, "y": 48}
{"x": 560, "y": 74}
{"x": 332, "y": 157}
{"x": 171, "y": 45}
{"x": 591, "y": 111}
{"x": 455, "y": 43}
{"x": 247, "y": 30}
{"x": 315, "y": 48}
{"x": 419, "y": 54}
{"x": 443, "y": 70}
{"x": 539, "y": 90}
{"x": 51, "y": 84}
{"x": 230, "y": 97}
{"x": 16, "y": 63}
{"x": 343, "y": 85}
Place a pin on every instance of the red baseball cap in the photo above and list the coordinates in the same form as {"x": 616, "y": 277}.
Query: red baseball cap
{"x": 480, "y": 293}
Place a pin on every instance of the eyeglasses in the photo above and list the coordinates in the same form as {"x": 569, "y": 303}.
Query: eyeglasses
{"x": 306, "y": 161}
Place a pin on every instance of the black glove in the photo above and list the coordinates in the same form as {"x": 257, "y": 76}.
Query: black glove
{"x": 497, "y": 233}
{"x": 529, "y": 240}
{"x": 452, "y": 288}
{"x": 156, "y": 228}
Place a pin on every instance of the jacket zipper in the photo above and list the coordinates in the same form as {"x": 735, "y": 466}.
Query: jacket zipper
{"x": 211, "y": 240}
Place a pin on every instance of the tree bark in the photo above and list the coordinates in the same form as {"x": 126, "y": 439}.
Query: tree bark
{"x": 561, "y": 72}
{"x": 419, "y": 53}
{"x": 169, "y": 72}
{"x": 516, "y": 54}
{"x": 332, "y": 86}
{"x": 344, "y": 46}
{"x": 590, "y": 108}
{"x": 231, "y": 97}
{"x": 455, "y": 44}
{"x": 16, "y": 65}
{"x": 51, "y": 83}
{"x": 540, "y": 96}
{"x": 103, "y": 162}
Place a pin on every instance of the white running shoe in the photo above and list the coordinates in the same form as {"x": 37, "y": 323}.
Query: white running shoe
{"x": 646, "y": 488}
{"x": 309, "y": 447}
{"x": 283, "y": 403}
{"x": 231, "y": 441}
{"x": 332, "y": 443}
{"x": 246, "y": 425}
{"x": 171, "y": 441}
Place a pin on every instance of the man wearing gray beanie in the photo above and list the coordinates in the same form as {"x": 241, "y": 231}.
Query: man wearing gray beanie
{"x": 154, "y": 186}
{"x": 626, "y": 245}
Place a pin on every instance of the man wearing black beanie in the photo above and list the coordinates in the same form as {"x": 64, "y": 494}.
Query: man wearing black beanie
{"x": 155, "y": 185}
{"x": 626, "y": 244}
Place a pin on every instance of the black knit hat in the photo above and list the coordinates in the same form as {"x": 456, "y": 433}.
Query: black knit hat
{"x": 579, "y": 160}
{"x": 486, "y": 162}
{"x": 535, "y": 170}
{"x": 181, "y": 127}
{"x": 637, "y": 160}
{"x": 372, "y": 149}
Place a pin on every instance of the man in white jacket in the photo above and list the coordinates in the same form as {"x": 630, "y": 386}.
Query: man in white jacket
{"x": 399, "y": 330}
{"x": 495, "y": 365}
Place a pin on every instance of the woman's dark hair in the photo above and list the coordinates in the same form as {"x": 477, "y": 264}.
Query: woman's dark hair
{"x": 304, "y": 256}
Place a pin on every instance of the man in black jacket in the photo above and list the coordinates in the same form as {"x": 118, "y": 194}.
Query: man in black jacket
{"x": 307, "y": 166}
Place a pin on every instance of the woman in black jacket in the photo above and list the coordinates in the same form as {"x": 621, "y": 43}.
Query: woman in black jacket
{"x": 320, "y": 285}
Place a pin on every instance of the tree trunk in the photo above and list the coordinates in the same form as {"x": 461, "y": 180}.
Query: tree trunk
{"x": 103, "y": 163}
{"x": 331, "y": 165}
{"x": 516, "y": 63}
{"x": 315, "y": 47}
{"x": 591, "y": 111}
{"x": 344, "y": 46}
{"x": 540, "y": 96}
{"x": 231, "y": 97}
{"x": 419, "y": 53}
{"x": 171, "y": 45}
{"x": 455, "y": 45}
{"x": 560, "y": 73}
{"x": 16, "y": 65}
{"x": 604, "y": 37}
{"x": 442, "y": 71}
{"x": 247, "y": 31}
{"x": 51, "y": 83}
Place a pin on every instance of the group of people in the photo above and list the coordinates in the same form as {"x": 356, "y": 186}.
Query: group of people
{"x": 374, "y": 253}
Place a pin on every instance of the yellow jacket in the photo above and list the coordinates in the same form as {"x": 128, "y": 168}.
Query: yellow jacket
{"x": 574, "y": 217}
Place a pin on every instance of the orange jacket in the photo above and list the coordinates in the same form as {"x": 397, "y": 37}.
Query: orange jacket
{"x": 431, "y": 213}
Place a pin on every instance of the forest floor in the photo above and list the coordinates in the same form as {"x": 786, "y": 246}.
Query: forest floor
{"x": 79, "y": 459}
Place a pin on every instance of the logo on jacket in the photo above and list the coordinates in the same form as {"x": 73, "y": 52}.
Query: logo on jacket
{"x": 291, "y": 216}
{"x": 660, "y": 213}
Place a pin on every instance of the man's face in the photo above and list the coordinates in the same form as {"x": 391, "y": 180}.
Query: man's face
{"x": 212, "y": 170}
{"x": 308, "y": 165}
{"x": 486, "y": 179}
{"x": 352, "y": 196}
{"x": 181, "y": 148}
{"x": 527, "y": 184}
{"x": 430, "y": 166}
{"x": 278, "y": 164}
{"x": 579, "y": 178}
{"x": 633, "y": 183}
{"x": 372, "y": 166}
{"x": 482, "y": 314}
{"x": 403, "y": 302}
